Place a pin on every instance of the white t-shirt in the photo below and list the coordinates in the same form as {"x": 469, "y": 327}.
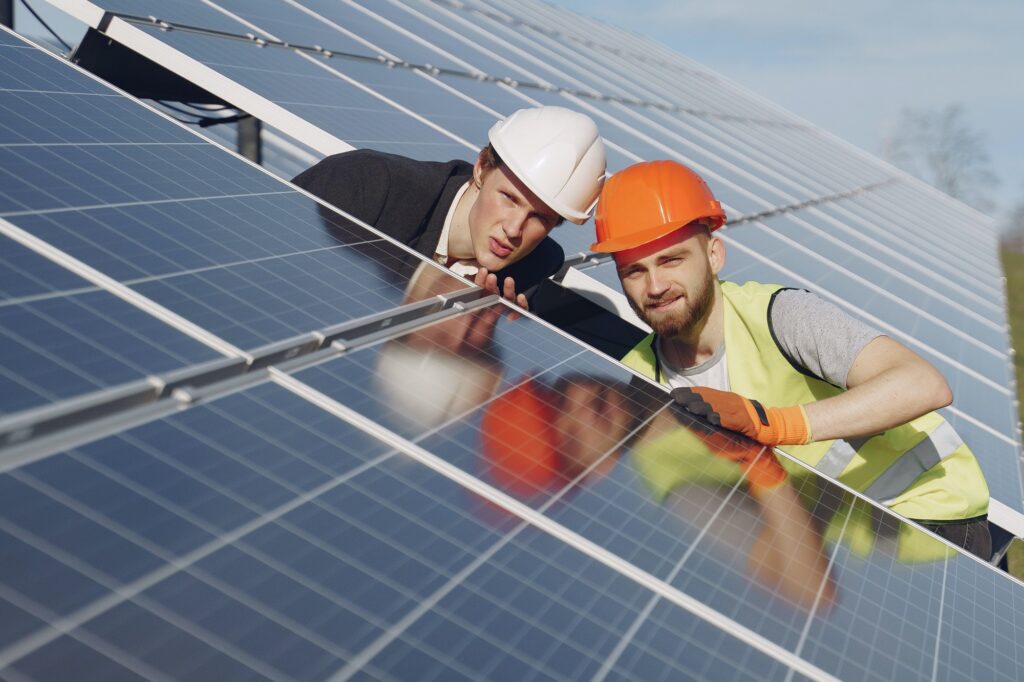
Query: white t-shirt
{"x": 712, "y": 373}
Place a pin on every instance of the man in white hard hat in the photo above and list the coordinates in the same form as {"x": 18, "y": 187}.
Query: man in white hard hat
{"x": 489, "y": 220}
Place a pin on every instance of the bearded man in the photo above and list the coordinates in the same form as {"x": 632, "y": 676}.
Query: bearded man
{"x": 781, "y": 365}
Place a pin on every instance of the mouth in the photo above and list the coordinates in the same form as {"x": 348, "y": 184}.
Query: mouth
{"x": 499, "y": 249}
{"x": 661, "y": 306}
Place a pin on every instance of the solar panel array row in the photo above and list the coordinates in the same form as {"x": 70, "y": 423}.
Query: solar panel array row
{"x": 319, "y": 518}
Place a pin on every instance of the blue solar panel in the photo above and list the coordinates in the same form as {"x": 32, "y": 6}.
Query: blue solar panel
{"x": 711, "y": 527}
{"x": 63, "y": 337}
{"x": 251, "y": 269}
{"x": 475, "y": 497}
{"x": 318, "y": 95}
{"x": 262, "y": 535}
{"x": 154, "y": 207}
{"x": 243, "y": 533}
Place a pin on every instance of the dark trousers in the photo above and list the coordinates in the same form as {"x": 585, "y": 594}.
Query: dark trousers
{"x": 972, "y": 534}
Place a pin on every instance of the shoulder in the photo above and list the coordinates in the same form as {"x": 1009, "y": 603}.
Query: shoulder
{"x": 352, "y": 164}
{"x": 749, "y": 291}
{"x": 376, "y": 166}
{"x": 641, "y": 358}
{"x": 816, "y": 336}
{"x": 793, "y": 304}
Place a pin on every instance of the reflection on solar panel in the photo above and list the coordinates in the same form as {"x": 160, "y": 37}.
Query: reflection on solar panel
{"x": 294, "y": 449}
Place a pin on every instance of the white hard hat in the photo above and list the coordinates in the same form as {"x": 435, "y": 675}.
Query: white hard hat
{"x": 557, "y": 153}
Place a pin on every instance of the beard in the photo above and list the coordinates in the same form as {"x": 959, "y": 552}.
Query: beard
{"x": 679, "y": 322}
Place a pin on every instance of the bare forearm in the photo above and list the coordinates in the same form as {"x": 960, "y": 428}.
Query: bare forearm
{"x": 890, "y": 398}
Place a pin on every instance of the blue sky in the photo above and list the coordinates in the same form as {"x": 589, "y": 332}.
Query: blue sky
{"x": 851, "y": 67}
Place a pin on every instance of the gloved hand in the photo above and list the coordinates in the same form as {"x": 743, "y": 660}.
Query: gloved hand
{"x": 772, "y": 426}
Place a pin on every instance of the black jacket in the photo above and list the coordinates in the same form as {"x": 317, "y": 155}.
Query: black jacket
{"x": 409, "y": 200}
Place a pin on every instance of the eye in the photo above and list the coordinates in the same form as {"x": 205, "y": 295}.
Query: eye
{"x": 629, "y": 274}
{"x": 545, "y": 221}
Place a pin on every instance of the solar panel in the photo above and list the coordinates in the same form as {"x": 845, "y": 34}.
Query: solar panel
{"x": 381, "y": 507}
{"x": 64, "y": 337}
{"x": 177, "y": 221}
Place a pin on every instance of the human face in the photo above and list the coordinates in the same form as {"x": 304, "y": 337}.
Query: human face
{"x": 507, "y": 221}
{"x": 670, "y": 283}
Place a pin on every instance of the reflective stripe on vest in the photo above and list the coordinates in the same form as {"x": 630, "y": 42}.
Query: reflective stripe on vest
{"x": 938, "y": 445}
{"x": 838, "y": 456}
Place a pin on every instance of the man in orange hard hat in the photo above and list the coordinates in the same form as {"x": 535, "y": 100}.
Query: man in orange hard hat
{"x": 780, "y": 365}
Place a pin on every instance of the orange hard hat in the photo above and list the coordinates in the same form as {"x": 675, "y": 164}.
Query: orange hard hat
{"x": 649, "y": 200}
{"x": 519, "y": 441}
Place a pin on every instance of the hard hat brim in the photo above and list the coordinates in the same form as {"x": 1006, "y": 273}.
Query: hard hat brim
{"x": 647, "y": 236}
{"x": 551, "y": 202}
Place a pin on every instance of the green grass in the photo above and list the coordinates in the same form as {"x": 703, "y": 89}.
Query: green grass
{"x": 1015, "y": 558}
{"x": 1013, "y": 265}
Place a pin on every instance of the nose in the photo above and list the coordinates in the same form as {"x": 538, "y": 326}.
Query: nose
{"x": 515, "y": 223}
{"x": 656, "y": 285}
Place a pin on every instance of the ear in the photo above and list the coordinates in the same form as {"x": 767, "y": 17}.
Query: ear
{"x": 716, "y": 254}
{"x": 478, "y": 170}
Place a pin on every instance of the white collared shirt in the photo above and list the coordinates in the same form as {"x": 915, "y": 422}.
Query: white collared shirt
{"x": 466, "y": 267}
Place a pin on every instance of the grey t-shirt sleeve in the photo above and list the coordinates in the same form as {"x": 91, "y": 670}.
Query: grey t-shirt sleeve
{"x": 817, "y": 335}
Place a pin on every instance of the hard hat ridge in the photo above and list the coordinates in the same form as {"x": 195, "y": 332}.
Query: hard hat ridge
{"x": 557, "y": 153}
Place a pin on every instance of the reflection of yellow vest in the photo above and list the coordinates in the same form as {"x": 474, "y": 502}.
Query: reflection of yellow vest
{"x": 679, "y": 458}
{"x": 922, "y": 470}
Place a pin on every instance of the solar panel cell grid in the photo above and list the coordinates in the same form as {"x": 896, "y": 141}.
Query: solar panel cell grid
{"x": 63, "y": 338}
{"x": 219, "y": 242}
{"x": 26, "y": 68}
{"x": 278, "y": 542}
{"x": 698, "y": 543}
{"x": 792, "y": 242}
{"x": 408, "y": 88}
{"x": 322, "y": 97}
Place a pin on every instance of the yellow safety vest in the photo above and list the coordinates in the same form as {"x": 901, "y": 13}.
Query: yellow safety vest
{"x": 922, "y": 470}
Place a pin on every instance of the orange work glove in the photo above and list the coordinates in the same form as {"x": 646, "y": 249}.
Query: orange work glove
{"x": 774, "y": 426}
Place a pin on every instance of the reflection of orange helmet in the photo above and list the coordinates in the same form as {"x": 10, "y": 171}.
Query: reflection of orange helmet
{"x": 519, "y": 441}
{"x": 649, "y": 200}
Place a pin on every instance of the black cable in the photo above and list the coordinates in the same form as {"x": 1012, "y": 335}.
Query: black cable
{"x": 195, "y": 108}
{"x": 172, "y": 107}
{"x": 46, "y": 25}
{"x": 200, "y": 120}
{"x": 182, "y": 120}
{"x": 213, "y": 121}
